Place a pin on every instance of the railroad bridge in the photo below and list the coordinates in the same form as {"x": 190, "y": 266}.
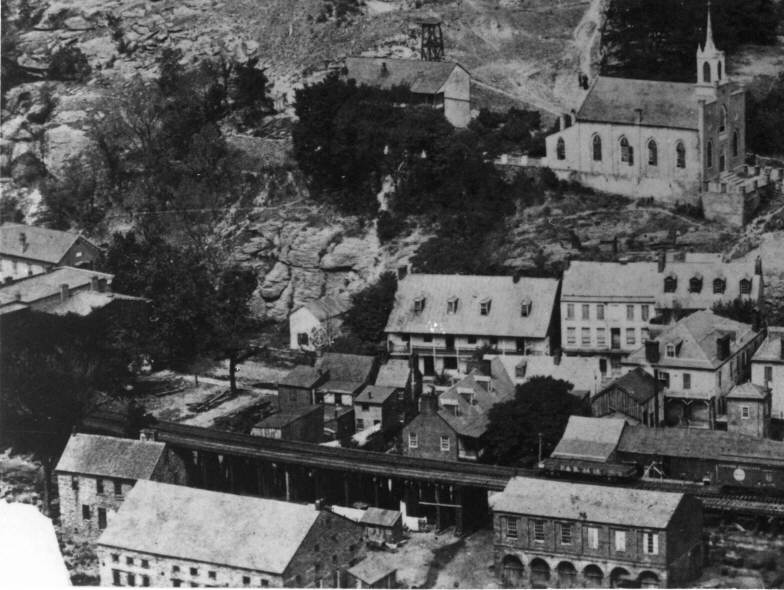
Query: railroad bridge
{"x": 305, "y": 472}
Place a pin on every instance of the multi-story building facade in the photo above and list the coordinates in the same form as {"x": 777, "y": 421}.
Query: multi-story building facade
{"x": 563, "y": 534}
{"x": 609, "y": 308}
{"x": 378, "y": 406}
{"x": 172, "y": 536}
{"x": 767, "y": 369}
{"x": 95, "y": 474}
{"x": 698, "y": 361}
{"x": 444, "y": 319}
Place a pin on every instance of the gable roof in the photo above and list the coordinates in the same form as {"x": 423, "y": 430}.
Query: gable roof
{"x": 36, "y": 243}
{"x": 109, "y": 456}
{"x": 663, "y": 104}
{"x": 346, "y": 367}
{"x": 589, "y": 439}
{"x": 748, "y": 390}
{"x": 696, "y": 335}
{"x": 581, "y": 371}
{"x": 328, "y": 307}
{"x": 585, "y": 502}
{"x": 638, "y": 383}
{"x": 504, "y": 319}
{"x": 374, "y": 394}
{"x": 372, "y": 568}
{"x": 421, "y": 77}
{"x": 257, "y": 534}
{"x": 46, "y": 285}
{"x": 286, "y": 417}
{"x": 394, "y": 373}
{"x": 302, "y": 376}
{"x": 380, "y": 517}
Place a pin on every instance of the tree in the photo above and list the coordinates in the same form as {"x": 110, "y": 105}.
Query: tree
{"x": 370, "y": 309}
{"x": 765, "y": 119}
{"x": 542, "y": 405}
{"x": 740, "y": 310}
{"x": 69, "y": 63}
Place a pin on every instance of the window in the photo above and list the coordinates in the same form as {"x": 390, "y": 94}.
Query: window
{"x": 669, "y": 351}
{"x": 631, "y": 336}
{"x": 645, "y": 312}
{"x": 680, "y": 155}
{"x": 560, "y": 149}
{"x": 723, "y": 119}
{"x": 566, "y": 534}
{"x": 75, "y": 483}
{"x": 129, "y": 561}
{"x": 687, "y": 380}
{"x": 601, "y": 337}
{"x": 539, "y": 531}
{"x": 176, "y": 583}
{"x": 451, "y": 305}
{"x": 511, "y": 527}
{"x": 116, "y": 578}
{"x": 211, "y": 575}
{"x": 706, "y": 72}
{"x": 131, "y": 579}
{"x": 302, "y": 339}
{"x": 413, "y": 441}
{"x": 570, "y": 311}
{"x": 735, "y": 144}
{"x": 600, "y": 311}
{"x": 709, "y": 154}
{"x": 626, "y": 151}
{"x": 597, "y": 148}
{"x": 317, "y": 566}
{"x": 444, "y": 443}
{"x": 194, "y": 571}
{"x": 744, "y": 412}
{"x": 653, "y": 154}
{"x": 571, "y": 335}
{"x": 427, "y": 338}
{"x": 419, "y": 305}
{"x": 769, "y": 476}
{"x": 175, "y": 569}
{"x": 471, "y": 339}
{"x": 719, "y": 285}
{"x": 670, "y": 284}
{"x": 85, "y": 512}
{"x": 586, "y": 315}
{"x": 102, "y": 518}
{"x": 99, "y": 486}
{"x": 592, "y": 534}
{"x": 115, "y": 558}
{"x": 525, "y": 308}
{"x": 246, "y": 580}
{"x": 585, "y": 336}
{"x": 664, "y": 378}
{"x": 768, "y": 374}
{"x": 117, "y": 487}
{"x": 484, "y": 306}
{"x": 695, "y": 284}
{"x": 629, "y": 312}
{"x": 722, "y": 161}
{"x": 145, "y": 580}
{"x": 620, "y": 541}
{"x": 650, "y": 543}
{"x": 718, "y": 75}
{"x": 745, "y": 286}
{"x": 264, "y": 583}
{"x": 360, "y": 424}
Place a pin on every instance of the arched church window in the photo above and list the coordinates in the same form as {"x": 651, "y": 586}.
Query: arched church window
{"x": 653, "y": 153}
{"x": 627, "y": 153}
{"x": 706, "y": 73}
{"x": 722, "y": 161}
{"x": 718, "y": 75}
{"x": 597, "y": 148}
{"x": 560, "y": 149}
{"x": 735, "y": 144}
{"x": 723, "y": 121}
{"x": 680, "y": 155}
{"x": 709, "y": 154}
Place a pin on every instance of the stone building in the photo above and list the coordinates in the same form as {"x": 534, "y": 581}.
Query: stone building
{"x": 563, "y": 534}
{"x": 767, "y": 369}
{"x": 172, "y": 536}
{"x": 317, "y": 320}
{"x": 95, "y": 474}
{"x": 748, "y": 410}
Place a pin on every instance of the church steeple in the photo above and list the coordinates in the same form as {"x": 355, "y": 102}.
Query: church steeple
{"x": 710, "y": 60}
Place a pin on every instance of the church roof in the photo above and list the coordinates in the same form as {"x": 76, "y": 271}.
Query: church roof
{"x": 663, "y": 104}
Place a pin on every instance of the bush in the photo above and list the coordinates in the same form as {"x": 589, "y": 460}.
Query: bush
{"x": 69, "y": 63}
{"x": 389, "y": 226}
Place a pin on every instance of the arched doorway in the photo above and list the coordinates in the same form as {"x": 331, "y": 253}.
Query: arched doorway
{"x": 567, "y": 575}
{"x": 620, "y": 577}
{"x": 512, "y": 572}
{"x": 649, "y": 580}
{"x": 540, "y": 573}
{"x": 594, "y": 576}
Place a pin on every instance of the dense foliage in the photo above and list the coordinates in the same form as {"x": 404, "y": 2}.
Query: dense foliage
{"x": 740, "y": 310}
{"x": 765, "y": 119}
{"x": 541, "y": 406}
{"x": 657, "y": 39}
{"x": 370, "y": 309}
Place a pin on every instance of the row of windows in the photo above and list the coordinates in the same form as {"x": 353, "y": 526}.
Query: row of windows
{"x": 130, "y": 578}
{"x": 445, "y": 443}
{"x": 585, "y": 311}
{"x": 601, "y": 336}
{"x": 626, "y": 151}
{"x": 695, "y": 285}
{"x": 485, "y": 305}
{"x": 566, "y": 535}
{"x": 100, "y": 488}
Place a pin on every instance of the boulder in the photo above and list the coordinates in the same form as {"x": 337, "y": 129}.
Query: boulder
{"x": 308, "y": 285}
{"x": 275, "y": 282}
{"x": 306, "y": 247}
{"x": 351, "y": 253}
{"x": 13, "y": 128}
{"x": 63, "y": 143}
{"x": 99, "y": 51}
{"x": 279, "y": 309}
{"x": 78, "y": 23}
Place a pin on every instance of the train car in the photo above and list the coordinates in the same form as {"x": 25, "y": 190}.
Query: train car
{"x": 762, "y": 479}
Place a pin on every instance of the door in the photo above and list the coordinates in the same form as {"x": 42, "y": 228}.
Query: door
{"x": 102, "y": 518}
{"x": 603, "y": 366}
{"x": 450, "y": 342}
{"x": 430, "y": 366}
{"x": 615, "y": 338}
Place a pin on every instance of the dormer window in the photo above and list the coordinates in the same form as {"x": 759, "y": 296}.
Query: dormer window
{"x": 484, "y": 306}
{"x": 451, "y": 305}
{"x": 695, "y": 284}
{"x": 669, "y": 351}
{"x": 745, "y": 287}
{"x": 525, "y": 307}
{"x": 719, "y": 285}
{"x": 670, "y": 284}
{"x": 419, "y": 304}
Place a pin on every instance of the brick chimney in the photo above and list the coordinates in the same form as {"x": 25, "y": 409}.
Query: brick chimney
{"x": 148, "y": 434}
{"x": 652, "y": 351}
{"x": 758, "y": 266}
{"x": 662, "y": 260}
{"x": 65, "y": 292}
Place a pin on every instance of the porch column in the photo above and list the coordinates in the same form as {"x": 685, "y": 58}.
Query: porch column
{"x": 458, "y": 500}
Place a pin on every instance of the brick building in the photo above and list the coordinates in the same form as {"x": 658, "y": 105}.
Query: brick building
{"x": 171, "y": 536}
{"x": 554, "y": 533}
{"x": 95, "y": 473}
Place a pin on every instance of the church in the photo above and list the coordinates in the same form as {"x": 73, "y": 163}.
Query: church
{"x": 674, "y": 141}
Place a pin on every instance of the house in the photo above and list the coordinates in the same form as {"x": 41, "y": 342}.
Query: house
{"x": 608, "y": 308}
{"x": 339, "y": 422}
{"x": 167, "y": 535}
{"x": 298, "y": 387}
{"x": 305, "y": 424}
{"x": 320, "y": 319}
{"x": 382, "y": 526}
{"x": 555, "y": 533}
{"x": 443, "y": 85}
{"x": 377, "y": 405}
{"x": 697, "y": 361}
{"x": 748, "y": 410}
{"x": 767, "y": 369}
{"x": 444, "y": 319}
{"x": 635, "y": 397}
{"x": 95, "y": 474}
{"x": 405, "y": 377}
{"x": 372, "y": 572}
{"x": 27, "y": 250}
{"x": 348, "y": 374}
{"x": 668, "y": 140}
{"x": 581, "y": 371}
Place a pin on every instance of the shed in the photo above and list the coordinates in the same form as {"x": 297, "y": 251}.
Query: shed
{"x": 372, "y": 572}
{"x": 382, "y": 526}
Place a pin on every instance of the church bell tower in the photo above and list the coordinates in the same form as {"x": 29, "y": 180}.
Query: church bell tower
{"x": 711, "y": 70}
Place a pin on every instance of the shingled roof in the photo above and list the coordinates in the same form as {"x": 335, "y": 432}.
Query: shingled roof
{"x": 256, "y": 534}
{"x": 421, "y": 77}
{"x": 662, "y": 104}
{"x": 638, "y": 383}
{"x": 109, "y": 456}
{"x": 354, "y": 368}
{"x": 328, "y": 307}
{"x": 36, "y": 243}
{"x": 394, "y": 373}
{"x": 589, "y": 439}
{"x": 46, "y": 285}
{"x": 506, "y": 297}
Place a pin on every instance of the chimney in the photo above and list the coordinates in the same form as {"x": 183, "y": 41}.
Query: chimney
{"x": 148, "y": 435}
{"x": 517, "y": 276}
{"x": 94, "y": 283}
{"x": 557, "y": 360}
{"x": 18, "y": 296}
{"x": 65, "y": 293}
{"x": 384, "y": 70}
{"x": 319, "y": 504}
{"x": 723, "y": 347}
{"x": 23, "y": 241}
{"x": 652, "y": 351}
{"x": 402, "y": 272}
{"x": 758, "y": 266}
{"x": 662, "y": 260}
{"x": 637, "y": 116}
{"x": 102, "y": 284}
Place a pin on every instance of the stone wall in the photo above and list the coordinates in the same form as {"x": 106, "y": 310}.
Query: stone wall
{"x": 86, "y": 494}
{"x": 731, "y": 208}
